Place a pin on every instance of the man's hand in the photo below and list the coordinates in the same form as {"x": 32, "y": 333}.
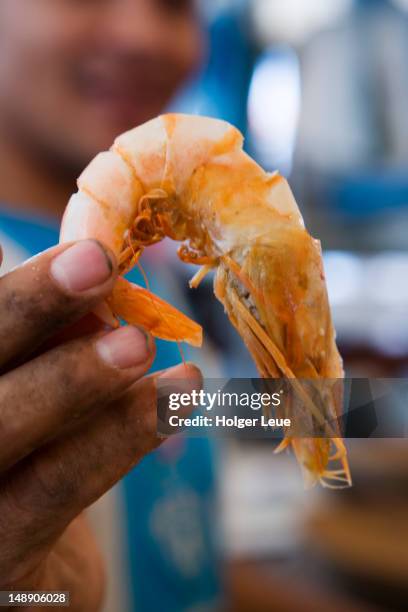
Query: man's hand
{"x": 73, "y": 419}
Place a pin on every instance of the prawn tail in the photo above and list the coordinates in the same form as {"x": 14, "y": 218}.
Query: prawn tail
{"x": 337, "y": 474}
{"x": 319, "y": 466}
{"x": 138, "y": 306}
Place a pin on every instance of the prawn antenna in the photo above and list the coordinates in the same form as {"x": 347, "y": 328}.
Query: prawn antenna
{"x": 155, "y": 306}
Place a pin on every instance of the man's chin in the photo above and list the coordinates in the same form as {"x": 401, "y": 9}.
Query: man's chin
{"x": 115, "y": 117}
{"x": 92, "y": 133}
{"x": 101, "y": 136}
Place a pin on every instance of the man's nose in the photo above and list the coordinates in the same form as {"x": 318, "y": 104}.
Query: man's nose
{"x": 136, "y": 24}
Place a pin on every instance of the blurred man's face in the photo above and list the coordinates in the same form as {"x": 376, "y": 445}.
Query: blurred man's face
{"x": 75, "y": 73}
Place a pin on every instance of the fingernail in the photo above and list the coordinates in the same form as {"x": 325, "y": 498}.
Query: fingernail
{"x": 180, "y": 380}
{"x": 83, "y": 266}
{"x": 184, "y": 377}
{"x": 125, "y": 347}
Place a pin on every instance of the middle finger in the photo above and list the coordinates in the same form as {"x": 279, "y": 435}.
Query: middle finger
{"x": 38, "y": 399}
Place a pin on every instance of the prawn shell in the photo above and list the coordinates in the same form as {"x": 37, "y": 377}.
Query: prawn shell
{"x": 106, "y": 203}
{"x": 166, "y": 151}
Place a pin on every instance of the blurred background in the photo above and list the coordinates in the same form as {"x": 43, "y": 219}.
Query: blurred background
{"x": 320, "y": 90}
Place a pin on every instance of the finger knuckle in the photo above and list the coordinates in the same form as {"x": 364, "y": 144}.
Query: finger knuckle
{"x": 47, "y": 487}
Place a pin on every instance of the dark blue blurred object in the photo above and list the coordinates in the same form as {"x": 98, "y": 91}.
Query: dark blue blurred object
{"x": 367, "y": 193}
{"x": 221, "y": 89}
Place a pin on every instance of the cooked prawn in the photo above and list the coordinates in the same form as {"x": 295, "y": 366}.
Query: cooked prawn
{"x": 188, "y": 178}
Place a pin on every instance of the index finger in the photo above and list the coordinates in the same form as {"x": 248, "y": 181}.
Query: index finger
{"x": 47, "y": 490}
{"x": 49, "y": 292}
